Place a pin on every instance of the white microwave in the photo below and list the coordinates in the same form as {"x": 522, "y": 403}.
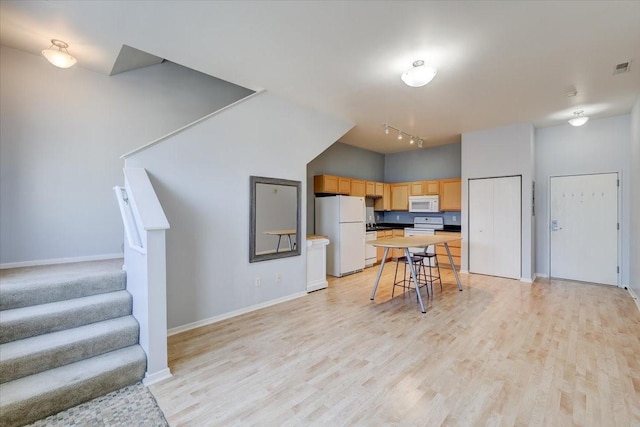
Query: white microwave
{"x": 423, "y": 204}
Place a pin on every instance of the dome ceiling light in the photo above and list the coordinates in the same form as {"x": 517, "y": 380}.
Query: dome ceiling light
{"x": 419, "y": 75}
{"x": 59, "y": 57}
{"x": 579, "y": 118}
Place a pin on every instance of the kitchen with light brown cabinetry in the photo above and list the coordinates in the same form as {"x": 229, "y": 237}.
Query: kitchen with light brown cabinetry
{"x": 330, "y": 184}
{"x": 400, "y": 196}
{"x": 450, "y": 194}
{"x": 358, "y": 188}
{"x": 454, "y": 247}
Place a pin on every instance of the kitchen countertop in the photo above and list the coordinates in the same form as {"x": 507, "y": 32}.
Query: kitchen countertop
{"x": 315, "y": 236}
{"x": 391, "y": 226}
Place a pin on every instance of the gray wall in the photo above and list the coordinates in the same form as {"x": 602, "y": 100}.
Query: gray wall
{"x": 503, "y": 151}
{"x": 440, "y": 162}
{"x": 61, "y": 136}
{"x": 599, "y": 146}
{"x": 342, "y": 160}
{"x": 201, "y": 176}
{"x": 634, "y": 184}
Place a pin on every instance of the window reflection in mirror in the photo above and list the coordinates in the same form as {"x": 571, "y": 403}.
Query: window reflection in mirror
{"x": 275, "y": 218}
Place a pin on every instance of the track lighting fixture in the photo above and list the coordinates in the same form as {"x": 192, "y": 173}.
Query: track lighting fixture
{"x": 412, "y": 138}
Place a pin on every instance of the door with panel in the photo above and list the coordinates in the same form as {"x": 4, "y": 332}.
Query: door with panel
{"x": 583, "y": 242}
{"x": 495, "y": 235}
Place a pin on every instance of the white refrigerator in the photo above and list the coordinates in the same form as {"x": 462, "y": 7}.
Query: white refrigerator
{"x": 342, "y": 219}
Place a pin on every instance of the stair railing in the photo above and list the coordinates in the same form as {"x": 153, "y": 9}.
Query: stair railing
{"x": 130, "y": 229}
{"x": 145, "y": 225}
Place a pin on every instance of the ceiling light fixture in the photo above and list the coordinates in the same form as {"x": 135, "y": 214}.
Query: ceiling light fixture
{"x": 419, "y": 75}
{"x": 59, "y": 57}
{"x": 579, "y": 118}
{"x": 412, "y": 138}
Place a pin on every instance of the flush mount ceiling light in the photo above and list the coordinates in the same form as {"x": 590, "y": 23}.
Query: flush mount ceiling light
{"x": 579, "y": 118}
{"x": 419, "y": 75}
{"x": 412, "y": 138}
{"x": 58, "y": 55}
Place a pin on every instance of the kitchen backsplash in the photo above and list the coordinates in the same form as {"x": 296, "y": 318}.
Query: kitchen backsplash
{"x": 396, "y": 217}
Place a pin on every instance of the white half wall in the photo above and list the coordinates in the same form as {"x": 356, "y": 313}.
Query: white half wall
{"x": 634, "y": 191}
{"x": 504, "y": 151}
{"x": 201, "y": 176}
{"x": 601, "y": 145}
{"x": 61, "y": 136}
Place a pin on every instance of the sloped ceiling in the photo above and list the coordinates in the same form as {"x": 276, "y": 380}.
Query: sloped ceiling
{"x": 498, "y": 62}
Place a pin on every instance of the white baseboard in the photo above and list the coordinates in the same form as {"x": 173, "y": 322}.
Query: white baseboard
{"x": 156, "y": 377}
{"x": 542, "y": 276}
{"x": 634, "y": 296}
{"x": 234, "y": 313}
{"x": 526, "y": 280}
{"x": 59, "y": 261}
{"x": 463, "y": 271}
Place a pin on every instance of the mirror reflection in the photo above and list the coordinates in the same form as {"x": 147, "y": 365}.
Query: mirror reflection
{"x": 275, "y": 218}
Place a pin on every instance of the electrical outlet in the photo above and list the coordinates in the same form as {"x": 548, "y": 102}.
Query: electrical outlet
{"x": 455, "y": 218}
{"x": 257, "y": 282}
{"x": 397, "y": 217}
{"x": 278, "y": 277}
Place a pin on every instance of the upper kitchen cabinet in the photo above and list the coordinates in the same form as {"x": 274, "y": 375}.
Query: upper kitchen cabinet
{"x": 330, "y": 184}
{"x": 431, "y": 188}
{"x": 424, "y": 188}
{"x": 374, "y": 189}
{"x": 400, "y": 196}
{"x": 416, "y": 188}
{"x": 450, "y": 194}
{"x": 358, "y": 188}
{"x": 383, "y": 203}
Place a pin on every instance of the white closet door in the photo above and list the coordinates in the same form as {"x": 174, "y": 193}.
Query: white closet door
{"x": 481, "y": 226}
{"x": 584, "y": 228}
{"x": 507, "y": 227}
{"x": 495, "y": 234}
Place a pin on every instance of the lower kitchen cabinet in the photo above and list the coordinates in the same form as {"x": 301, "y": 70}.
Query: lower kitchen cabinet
{"x": 454, "y": 247}
{"x": 380, "y": 251}
{"x": 397, "y": 252}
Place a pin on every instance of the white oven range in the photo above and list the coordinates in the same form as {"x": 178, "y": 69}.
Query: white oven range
{"x": 425, "y": 226}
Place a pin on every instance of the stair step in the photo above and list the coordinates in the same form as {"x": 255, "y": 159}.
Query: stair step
{"x": 36, "y": 354}
{"x": 16, "y": 293}
{"x": 35, "y": 320}
{"x": 37, "y": 396}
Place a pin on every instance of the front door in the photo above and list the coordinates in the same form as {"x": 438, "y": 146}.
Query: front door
{"x": 584, "y": 228}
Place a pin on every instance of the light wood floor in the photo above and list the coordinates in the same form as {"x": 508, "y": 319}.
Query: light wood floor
{"x": 501, "y": 352}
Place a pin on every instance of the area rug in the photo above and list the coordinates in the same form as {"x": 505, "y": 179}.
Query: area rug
{"x": 130, "y": 406}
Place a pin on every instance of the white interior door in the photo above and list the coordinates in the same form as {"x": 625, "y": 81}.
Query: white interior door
{"x": 507, "y": 229}
{"x": 584, "y": 228}
{"x": 481, "y": 226}
{"x": 495, "y": 234}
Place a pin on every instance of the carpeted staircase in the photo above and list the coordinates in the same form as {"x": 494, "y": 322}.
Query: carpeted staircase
{"x": 64, "y": 341}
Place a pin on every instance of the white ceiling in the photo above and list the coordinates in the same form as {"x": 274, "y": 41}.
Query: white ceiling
{"x": 498, "y": 62}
